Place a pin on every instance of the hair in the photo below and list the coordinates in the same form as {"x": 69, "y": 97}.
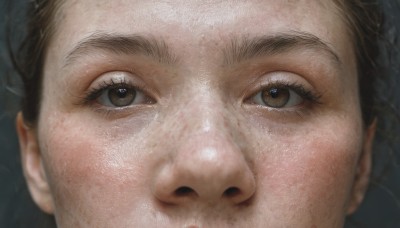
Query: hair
{"x": 29, "y": 59}
{"x": 364, "y": 20}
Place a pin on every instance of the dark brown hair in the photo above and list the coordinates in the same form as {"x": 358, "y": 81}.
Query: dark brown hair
{"x": 29, "y": 59}
{"x": 364, "y": 20}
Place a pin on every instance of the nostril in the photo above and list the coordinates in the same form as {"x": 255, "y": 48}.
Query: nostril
{"x": 184, "y": 191}
{"x": 232, "y": 192}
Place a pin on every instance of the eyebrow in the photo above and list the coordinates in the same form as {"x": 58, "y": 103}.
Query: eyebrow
{"x": 122, "y": 45}
{"x": 247, "y": 48}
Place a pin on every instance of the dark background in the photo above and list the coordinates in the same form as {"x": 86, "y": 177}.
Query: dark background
{"x": 381, "y": 207}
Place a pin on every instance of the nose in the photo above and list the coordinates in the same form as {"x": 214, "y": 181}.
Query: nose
{"x": 208, "y": 168}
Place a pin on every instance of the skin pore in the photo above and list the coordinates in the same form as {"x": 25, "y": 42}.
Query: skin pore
{"x": 198, "y": 114}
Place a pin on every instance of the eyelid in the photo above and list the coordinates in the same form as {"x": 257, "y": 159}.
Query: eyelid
{"x": 283, "y": 80}
{"x": 115, "y": 79}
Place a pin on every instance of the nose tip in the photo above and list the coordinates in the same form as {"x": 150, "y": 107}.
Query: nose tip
{"x": 207, "y": 174}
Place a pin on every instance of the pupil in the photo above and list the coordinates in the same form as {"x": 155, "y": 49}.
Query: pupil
{"x": 121, "y": 92}
{"x": 274, "y": 92}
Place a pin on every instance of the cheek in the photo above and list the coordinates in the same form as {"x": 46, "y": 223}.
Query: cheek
{"x": 93, "y": 167}
{"x": 307, "y": 171}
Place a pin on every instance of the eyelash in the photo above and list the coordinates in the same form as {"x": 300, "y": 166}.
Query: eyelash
{"x": 309, "y": 96}
{"x": 93, "y": 94}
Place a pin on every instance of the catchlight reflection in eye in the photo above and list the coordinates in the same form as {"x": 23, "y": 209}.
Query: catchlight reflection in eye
{"x": 278, "y": 97}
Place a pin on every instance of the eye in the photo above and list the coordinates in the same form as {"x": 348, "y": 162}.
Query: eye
{"x": 118, "y": 97}
{"x": 121, "y": 95}
{"x": 117, "y": 94}
{"x": 278, "y": 97}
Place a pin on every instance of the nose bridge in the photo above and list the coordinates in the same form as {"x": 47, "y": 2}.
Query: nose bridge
{"x": 208, "y": 164}
{"x": 205, "y": 113}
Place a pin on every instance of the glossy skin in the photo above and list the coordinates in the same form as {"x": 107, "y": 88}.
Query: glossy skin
{"x": 197, "y": 148}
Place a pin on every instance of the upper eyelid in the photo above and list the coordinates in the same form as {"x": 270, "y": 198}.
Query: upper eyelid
{"x": 93, "y": 93}
{"x": 107, "y": 85}
{"x": 130, "y": 78}
{"x": 280, "y": 78}
{"x": 304, "y": 92}
{"x": 260, "y": 85}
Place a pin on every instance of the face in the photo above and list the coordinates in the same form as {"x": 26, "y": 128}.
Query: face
{"x": 198, "y": 114}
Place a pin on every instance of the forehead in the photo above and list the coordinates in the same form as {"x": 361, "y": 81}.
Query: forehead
{"x": 197, "y": 30}
{"x": 197, "y": 19}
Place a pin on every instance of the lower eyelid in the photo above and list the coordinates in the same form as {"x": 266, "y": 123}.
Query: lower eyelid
{"x": 116, "y": 113}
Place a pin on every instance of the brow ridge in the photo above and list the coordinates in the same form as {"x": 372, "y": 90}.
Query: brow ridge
{"x": 122, "y": 45}
{"x": 245, "y": 48}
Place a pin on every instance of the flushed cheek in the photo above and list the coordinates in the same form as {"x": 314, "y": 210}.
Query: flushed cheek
{"x": 308, "y": 174}
{"x": 92, "y": 175}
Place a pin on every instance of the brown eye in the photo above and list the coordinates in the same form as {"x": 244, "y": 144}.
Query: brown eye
{"x": 275, "y": 97}
{"x": 278, "y": 97}
{"x": 120, "y": 97}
